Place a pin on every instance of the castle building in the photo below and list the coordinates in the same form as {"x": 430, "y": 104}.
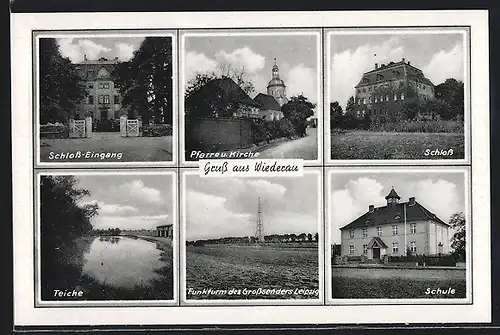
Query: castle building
{"x": 276, "y": 87}
{"x": 384, "y": 89}
{"x": 391, "y": 229}
{"x": 103, "y": 100}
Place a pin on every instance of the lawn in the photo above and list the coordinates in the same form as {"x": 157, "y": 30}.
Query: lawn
{"x": 133, "y": 149}
{"x": 360, "y": 144}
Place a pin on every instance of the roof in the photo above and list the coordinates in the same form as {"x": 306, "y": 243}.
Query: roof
{"x": 392, "y": 194}
{"x": 164, "y": 226}
{"x": 394, "y": 71}
{"x": 276, "y": 82}
{"x": 226, "y": 88}
{"x": 393, "y": 214}
{"x": 378, "y": 241}
{"x": 267, "y": 102}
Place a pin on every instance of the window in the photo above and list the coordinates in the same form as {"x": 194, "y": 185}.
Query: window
{"x": 365, "y": 249}
{"x": 387, "y": 97}
{"x": 379, "y": 231}
{"x": 413, "y": 246}
{"x": 351, "y": 233}
{"x": 364, "y": 101}
{"x": 117, "y": 99}
{"x": 394, "y": 230}
{"x": 364, "y": 112}
{"x": 370, "y": 89}
{"x": 370, "y": 100}
{"x": 100, "y": 99}
{"x": 365, "y": 232}
{"x": 91, "y": 99}
{"x": 364, "y": 89}
{"x": 100, "y": 85}
{"x": 395, "y": 97}
{"x": 376, "y": 98}
{"x": 423, "y": 86}
{"x": 90, "y": 85}
{"x": 359, "y": 101}
{"x": 395, "y": 248}
{"x": 358, "y": 113}
{"x": 359, "y": 91}
{"x": 402, "y": 95}
{"x": 106, "y": 99}
{"x": 351, "y": 250}
{"x": 413, "y": 228}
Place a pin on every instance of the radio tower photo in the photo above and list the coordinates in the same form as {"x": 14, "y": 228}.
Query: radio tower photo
{"x": 259, "y": 231}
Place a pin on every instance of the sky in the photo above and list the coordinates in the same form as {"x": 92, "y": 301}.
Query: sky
{"x": 129, "y": 201}
{"x": 439, "y": 56}
{"x": 219, "y": 207}
{"x": 352, "y": 193}
{"x": 296, "y": 57}
{"x": 95, "y": 48}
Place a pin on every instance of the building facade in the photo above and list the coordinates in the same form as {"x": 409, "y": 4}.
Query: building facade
{"x": 394, "y": 228}
{"x": 383, "y": 90}
{"x": 166, "y": 231}
{"x": 103, "y": 100}
{"x": 276, "y": 86}
{"x": 270, "y": 108}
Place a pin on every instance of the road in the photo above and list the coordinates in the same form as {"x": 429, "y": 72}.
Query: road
{"x": 305, "y": 148}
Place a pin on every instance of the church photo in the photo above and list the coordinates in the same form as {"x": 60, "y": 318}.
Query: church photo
{"x": 251, "y": 94}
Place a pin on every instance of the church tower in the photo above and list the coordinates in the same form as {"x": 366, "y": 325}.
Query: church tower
{"x": 276, "y": 87}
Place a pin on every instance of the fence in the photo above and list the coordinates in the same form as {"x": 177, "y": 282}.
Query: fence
{"x": 130, "y": 127}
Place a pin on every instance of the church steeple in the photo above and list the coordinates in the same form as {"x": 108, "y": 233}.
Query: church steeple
{"x": 276, "y": 71}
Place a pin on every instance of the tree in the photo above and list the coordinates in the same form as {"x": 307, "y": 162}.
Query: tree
{"x": 452, "y": 93}
{"x": 61, "y": 89}
{"x": 145, "y": 82}
{"x": 309, "y": 237}
{"x": 349, "y": 108}
{"x": 297, "y": 110}
{"x": 457, "y": 222}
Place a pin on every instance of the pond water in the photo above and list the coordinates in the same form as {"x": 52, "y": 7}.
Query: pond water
{"x": 122, "y": 261}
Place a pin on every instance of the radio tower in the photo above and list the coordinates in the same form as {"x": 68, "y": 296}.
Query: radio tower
{"x": 259, "y": 231}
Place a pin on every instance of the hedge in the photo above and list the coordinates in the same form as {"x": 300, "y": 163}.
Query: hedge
{"x": 156, "y": 130}
{"x": 54, "y": 131}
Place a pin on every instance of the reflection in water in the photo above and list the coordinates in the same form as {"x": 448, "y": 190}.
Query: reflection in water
{"x": 122, "y": 261}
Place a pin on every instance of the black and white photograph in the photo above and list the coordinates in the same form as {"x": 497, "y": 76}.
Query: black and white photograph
{"x": 398, "y": 94}
{"x": 251, "y": 94}
{"x": 252, "y": 238}
{"x": 399, "y": 234}
{"x": 107, "y": 236}
{"x": 106, "y": 99}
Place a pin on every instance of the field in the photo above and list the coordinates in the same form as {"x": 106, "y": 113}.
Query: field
{"x": 250, "y": 268}
{"x": 356, "y": 283}
{"x": 360, "y": 144}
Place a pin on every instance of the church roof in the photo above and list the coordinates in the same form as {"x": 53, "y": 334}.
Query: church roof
{"x": 393, "y": 71}
{"x": 394, "y": 213}
{"x": 276, "y": 82}
{"x": 267, "y": 102}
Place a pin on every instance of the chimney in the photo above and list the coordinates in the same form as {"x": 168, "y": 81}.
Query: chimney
{"x": 371, "y": 208}
{"x": 408, "y": 62}
{"x": 84, "y": 57}
{"x": 403, "y": 60}
{"x": 411, "y": 201}
{"x": 376, "y": 66}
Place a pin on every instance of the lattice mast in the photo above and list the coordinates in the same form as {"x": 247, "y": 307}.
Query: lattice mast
{"x": 259, "y": 229}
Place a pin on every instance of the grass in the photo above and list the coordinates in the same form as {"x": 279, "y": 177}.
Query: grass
{"x": 133, "y": 149}
{"x": 394, "y": 288}
{"x": 360, "y": 144}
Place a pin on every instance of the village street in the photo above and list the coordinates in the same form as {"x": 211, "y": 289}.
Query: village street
{"x": 305, "y": 148}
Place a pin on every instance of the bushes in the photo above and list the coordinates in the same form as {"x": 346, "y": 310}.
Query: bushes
{"x": 429, "y": 260}
{"x": 271, "y": 130}
{"x": 54, "y": 130}
{"x": 413, "y": 126}
{"x": 156, "y": 130}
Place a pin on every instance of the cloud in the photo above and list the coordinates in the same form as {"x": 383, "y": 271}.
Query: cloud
{"x": 440, "y": 197}
{"x": 446, "y": 64}
{"x": 347, "y": 67}
{"x": 267, "y": 188}
{"x": 75, "y": 51}
{"x": 124, "y": 51}
{"x": 111, "y": 209}
{"x": 242, "y": 58}
{"x": 198, "y": 62}
{"x": 137, "y": 190}
{"x": 207, "y": 217}
{"x": 302, "y": 80}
